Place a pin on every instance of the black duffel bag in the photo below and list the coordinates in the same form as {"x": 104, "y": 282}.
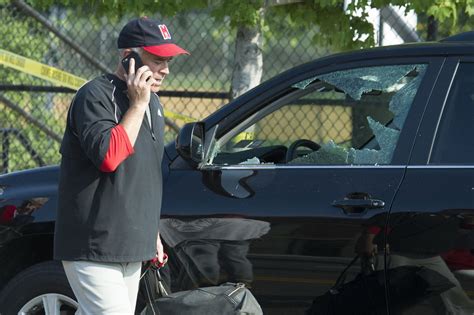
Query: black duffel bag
{"x": 228, "y": 298}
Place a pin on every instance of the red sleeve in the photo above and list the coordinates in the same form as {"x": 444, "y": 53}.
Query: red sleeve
{"x": 120, "y": 148}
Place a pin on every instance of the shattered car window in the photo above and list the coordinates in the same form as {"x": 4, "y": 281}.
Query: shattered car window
{"x": 356, "y": 82}
{"x": 403, "y": 80}
{"x": 348, "y": 117}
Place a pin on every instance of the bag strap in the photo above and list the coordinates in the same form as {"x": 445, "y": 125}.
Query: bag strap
{"x": 159, "y": 283}
{"x": 159, "y": 287}
{"x": 147, "y": 289}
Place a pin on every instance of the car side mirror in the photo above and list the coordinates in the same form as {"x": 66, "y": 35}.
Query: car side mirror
{"x": 190, "y": 143}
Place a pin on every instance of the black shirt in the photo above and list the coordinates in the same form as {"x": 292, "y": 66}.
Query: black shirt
{"x": 110, "y": 217}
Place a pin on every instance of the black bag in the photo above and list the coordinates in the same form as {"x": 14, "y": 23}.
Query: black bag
{"x": 366, "y": 293}
{"x": 228, "y": 298}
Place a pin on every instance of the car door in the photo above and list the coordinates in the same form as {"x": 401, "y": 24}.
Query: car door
{"x": 432, "y": 219}
{"x": 298, "y": 183}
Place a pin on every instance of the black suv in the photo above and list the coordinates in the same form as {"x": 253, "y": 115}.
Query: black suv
{"x": 367, "y": 153}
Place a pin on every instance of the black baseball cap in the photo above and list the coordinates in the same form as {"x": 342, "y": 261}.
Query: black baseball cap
{"x": 151, "y": 35}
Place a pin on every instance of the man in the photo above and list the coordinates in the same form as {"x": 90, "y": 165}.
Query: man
{"x": 110, "y": 185}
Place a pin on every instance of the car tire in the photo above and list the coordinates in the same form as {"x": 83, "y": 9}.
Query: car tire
{"x": 37, "y": 290}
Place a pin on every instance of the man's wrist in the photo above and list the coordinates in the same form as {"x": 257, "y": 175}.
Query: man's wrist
{"x": 139, "y": 105}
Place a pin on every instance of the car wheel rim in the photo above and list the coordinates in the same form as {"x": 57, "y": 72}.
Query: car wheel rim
{"x": 49, "y": 304}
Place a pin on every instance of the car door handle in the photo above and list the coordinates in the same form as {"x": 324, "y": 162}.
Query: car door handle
{"x": 359, "y": 203}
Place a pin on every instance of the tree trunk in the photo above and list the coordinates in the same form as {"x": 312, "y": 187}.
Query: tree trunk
{"x": 248, "y": 61}
{"x": 432, "y": 29}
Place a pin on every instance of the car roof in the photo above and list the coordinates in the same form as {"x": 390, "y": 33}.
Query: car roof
{"x": 459, "y": 44}
{"x": 462, "y": 37}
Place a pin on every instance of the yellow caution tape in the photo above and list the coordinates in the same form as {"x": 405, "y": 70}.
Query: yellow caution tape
{"x": 246, "y": 135}
{"x": 40, "y": 70}
{"x": 57, "y": 76}
{"x": 174, "y": 115}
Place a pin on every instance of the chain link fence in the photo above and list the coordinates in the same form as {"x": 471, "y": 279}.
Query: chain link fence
{"x": 33, "y": 110}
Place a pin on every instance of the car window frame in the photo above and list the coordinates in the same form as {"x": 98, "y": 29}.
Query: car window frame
{"x": 443, "y": 112}
{"x": 426, "y": 135}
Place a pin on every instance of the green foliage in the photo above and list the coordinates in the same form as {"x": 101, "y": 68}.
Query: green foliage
{"x": 442, "y": 10}
{"x": 464, "y": 22}
{"x": 338, "y": 28}
{"x": 116, "y": 9}
{"x": 240, "y": 12}
{"x": 334, "y": 27}
{"x": 22, "y": 36}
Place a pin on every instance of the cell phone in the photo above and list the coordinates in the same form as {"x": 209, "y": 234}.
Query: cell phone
{"x": 126, "y": 61}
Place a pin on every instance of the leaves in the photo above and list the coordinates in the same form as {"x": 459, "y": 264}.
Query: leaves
{"x": 342, "y": 29}
{"x": 443, "y": 11}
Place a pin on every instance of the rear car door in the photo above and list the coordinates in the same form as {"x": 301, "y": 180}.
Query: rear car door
{"x": 299, "y": 183}
{"x": 432, "y": 220}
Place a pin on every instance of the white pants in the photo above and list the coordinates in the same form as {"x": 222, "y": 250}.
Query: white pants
{"x": 104, "y": 288}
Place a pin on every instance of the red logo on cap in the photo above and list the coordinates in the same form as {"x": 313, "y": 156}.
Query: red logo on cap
{"x": 164, "y": 31}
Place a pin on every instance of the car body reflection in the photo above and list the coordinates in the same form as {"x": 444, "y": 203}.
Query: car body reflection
{"x": 440, "y": 242}
{"x": 214, "y": 250}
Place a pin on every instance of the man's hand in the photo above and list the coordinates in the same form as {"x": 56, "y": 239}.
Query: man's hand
{"x": 160, "y": 254}
{"x": 138, "y": 89}
{"x": 139, "y": 84}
